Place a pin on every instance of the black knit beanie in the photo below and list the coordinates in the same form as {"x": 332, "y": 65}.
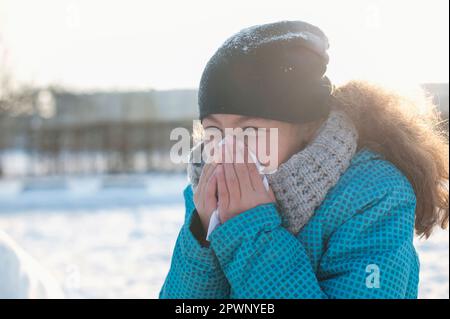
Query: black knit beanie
{"x": 273, "y": 71}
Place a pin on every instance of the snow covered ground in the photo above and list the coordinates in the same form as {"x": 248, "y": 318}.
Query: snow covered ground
{"x": 113, "y": 237}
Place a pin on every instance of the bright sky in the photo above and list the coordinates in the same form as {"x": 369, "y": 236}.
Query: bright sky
{"x": 91, "y": 44}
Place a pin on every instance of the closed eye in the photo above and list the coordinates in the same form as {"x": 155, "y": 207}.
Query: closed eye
{"x": 212, "y": 131}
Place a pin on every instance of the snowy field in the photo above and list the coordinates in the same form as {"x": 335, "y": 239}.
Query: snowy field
{"x": 113, "y": 237}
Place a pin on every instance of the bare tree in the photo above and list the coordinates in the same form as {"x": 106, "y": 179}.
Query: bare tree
{"x": 14, "y": 99}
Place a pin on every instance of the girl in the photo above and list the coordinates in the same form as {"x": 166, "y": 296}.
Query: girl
{"x": 361, "y": 168}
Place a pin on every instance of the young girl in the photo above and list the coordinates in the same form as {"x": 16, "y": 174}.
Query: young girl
{"x": 360, "y": 168}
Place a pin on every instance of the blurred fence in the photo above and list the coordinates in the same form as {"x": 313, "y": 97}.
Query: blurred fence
{"x": 126, "y": 147}
{"x": 91, "y": 133}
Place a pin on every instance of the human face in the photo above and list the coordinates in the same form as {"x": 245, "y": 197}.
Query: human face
{"x": 290, "y": 137}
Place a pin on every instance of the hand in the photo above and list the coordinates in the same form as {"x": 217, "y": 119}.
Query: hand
{"x": 205, "y": 196}
{"x": 240, "y": 188}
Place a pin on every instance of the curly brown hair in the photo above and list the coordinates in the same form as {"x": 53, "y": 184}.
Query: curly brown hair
{"x": 408, "y": 132}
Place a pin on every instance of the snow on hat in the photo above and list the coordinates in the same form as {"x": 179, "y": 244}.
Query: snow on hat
{"x": 273, "y": 71}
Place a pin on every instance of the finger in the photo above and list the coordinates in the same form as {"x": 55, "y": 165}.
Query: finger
{"x": 222, "y": 190}
{"x": 229, "y": 172}
{"x": 208, "y": 169}
{"x": 242, "y": 173}
{"x": 232, "y": 182}
{"x": 256, "y": 178}
{"x": 211, "y": 194}
{"x": 243, "y": 177}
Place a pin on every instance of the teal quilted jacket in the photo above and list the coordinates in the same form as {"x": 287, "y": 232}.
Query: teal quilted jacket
{"x": 359, "y": 244}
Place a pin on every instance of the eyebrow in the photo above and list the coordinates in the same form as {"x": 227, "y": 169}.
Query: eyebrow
{"x": 240, "y": 120}
{"x": 212, "y": 118}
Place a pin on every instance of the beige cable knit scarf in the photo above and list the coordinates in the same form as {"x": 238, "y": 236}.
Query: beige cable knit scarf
{"x": 302, "y": 182}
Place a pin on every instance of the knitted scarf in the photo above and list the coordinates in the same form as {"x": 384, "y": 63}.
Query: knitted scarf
{"x": 301, "y": 183}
